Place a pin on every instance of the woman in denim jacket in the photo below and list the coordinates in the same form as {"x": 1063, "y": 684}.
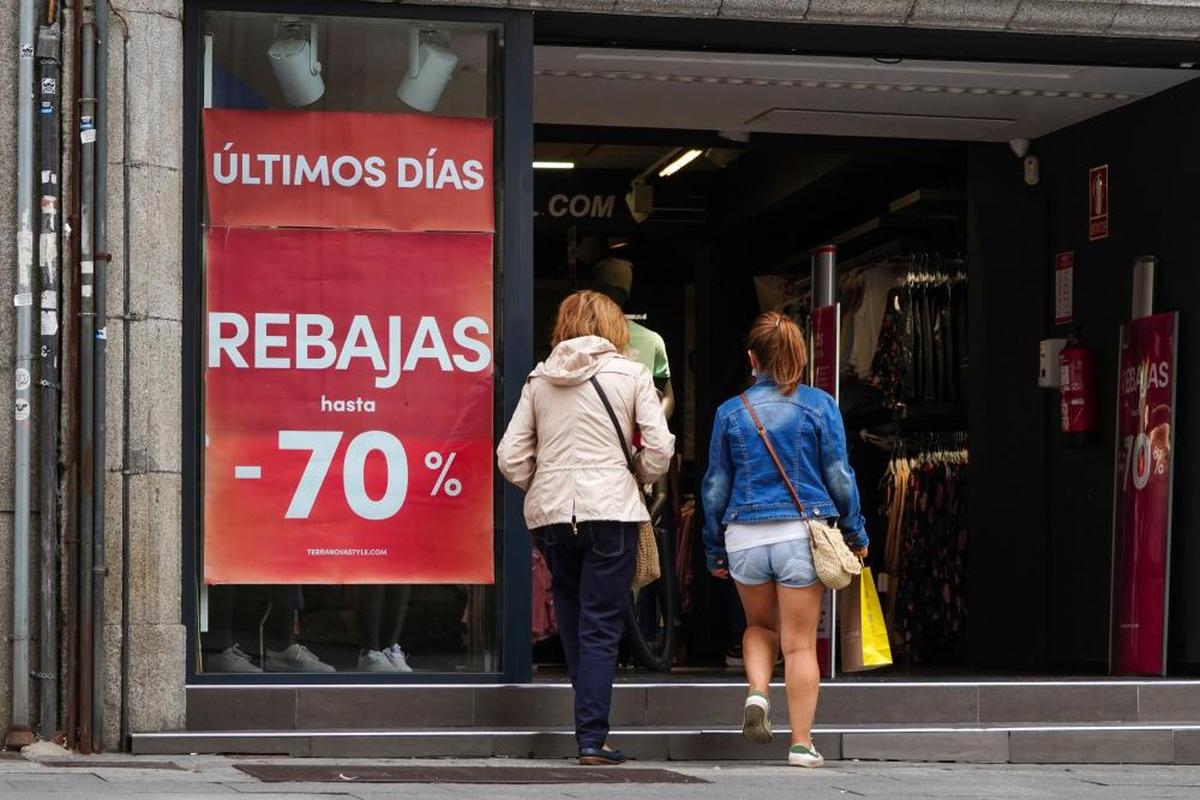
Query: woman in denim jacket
{"x": 754, "y": 533}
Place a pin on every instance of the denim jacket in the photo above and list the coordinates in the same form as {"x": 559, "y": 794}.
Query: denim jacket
{"x": 742, "y": 483}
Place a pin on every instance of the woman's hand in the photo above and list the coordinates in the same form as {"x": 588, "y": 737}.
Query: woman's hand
{"x": 861, "y": 552}
{"x": 720, "y": 572}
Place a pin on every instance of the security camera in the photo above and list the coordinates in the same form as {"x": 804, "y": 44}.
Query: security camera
{"x": 1020, "y": 147}
{"x": 293, "y": 57}
{"x": 431, "y": 66}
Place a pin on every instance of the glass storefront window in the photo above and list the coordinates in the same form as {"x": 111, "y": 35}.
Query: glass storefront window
{"x": 348, "y": 254}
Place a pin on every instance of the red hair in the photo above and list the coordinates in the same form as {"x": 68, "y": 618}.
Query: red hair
{"x": 778, "y": 344}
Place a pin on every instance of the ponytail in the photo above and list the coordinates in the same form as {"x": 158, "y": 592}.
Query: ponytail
{"x": 778, "y": 343}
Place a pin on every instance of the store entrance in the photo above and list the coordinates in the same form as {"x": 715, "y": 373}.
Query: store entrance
{"x": 702, "y": 185}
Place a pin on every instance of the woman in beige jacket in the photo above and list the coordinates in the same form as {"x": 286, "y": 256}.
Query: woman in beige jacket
{"x": 582, "y": 502}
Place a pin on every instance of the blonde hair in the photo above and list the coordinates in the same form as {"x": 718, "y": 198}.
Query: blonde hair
{"x": 587, "y": 313}
{"x": 778, "y": 343}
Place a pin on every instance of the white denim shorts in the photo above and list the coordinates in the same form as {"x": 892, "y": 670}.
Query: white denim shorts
{"x": 788, "y": 564}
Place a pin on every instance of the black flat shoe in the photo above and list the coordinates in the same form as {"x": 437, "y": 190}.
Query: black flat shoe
{"x": 599, "y": 757}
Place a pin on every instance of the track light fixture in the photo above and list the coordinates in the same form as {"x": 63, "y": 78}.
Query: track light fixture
{"x": 293, "y": 57}
{"x": 431, "y": 65}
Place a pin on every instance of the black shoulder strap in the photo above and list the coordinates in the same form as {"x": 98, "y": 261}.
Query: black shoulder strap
{"x": 616, "y": 424}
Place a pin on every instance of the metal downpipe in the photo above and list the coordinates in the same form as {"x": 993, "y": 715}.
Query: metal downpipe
{"x": 50, "y": 134}
{"x": 20, "y": 732}
{"x": 100, "y": 393}
{"x": 87, "y": 149}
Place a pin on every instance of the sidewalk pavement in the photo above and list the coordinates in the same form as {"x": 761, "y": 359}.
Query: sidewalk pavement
{"x": 111, "y": 776}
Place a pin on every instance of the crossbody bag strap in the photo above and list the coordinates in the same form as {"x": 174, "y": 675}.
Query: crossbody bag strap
{"x": 774, "y": 456}
{"x": 616, "y": 424}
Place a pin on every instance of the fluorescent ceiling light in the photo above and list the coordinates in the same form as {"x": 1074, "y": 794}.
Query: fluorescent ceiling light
{"x": 554, "y": 165}
{"x": 687, "y": 157}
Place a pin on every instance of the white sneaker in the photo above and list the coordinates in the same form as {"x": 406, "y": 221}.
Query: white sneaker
{"x": 231, "y": 659}
{"x": 756, "y": 719}
{"x": 375, "y": 661}
{"x": 801, "y": 756}
{"x": 398, "y": 659}
{"x": 296, "y": 658}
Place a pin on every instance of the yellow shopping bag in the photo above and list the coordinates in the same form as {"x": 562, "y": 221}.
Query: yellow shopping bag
{"x": 863, "y": 630}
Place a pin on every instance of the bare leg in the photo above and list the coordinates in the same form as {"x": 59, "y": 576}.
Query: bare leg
{"x": 760, "y": 642}
{"x": 800, "y": 613}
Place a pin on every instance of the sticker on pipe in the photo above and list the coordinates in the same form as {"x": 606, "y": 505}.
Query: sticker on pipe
{"x": 22, "y": 409}
{"x": 22, "y": 379}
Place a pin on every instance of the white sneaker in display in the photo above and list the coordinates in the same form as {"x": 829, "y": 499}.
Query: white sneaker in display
{"x": 375, "y": 661}
{"x": 296, "y": 658}
{"x": 801, "y": 756}
{"x": 231, "y": 659}
{"x": 756, "y": 719}
{"x": 398, "y": 659}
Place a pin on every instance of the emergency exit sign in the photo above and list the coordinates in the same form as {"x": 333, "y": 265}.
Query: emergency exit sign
{"x": 1098, "y": 194}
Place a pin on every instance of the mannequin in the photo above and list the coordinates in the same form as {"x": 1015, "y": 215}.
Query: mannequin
{"x": 382, "y": 611}
{"x": 614, "y": 277}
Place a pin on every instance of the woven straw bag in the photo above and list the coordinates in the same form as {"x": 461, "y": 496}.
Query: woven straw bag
{"x": 648, "y": 568}
{"x": 836, "y": 565}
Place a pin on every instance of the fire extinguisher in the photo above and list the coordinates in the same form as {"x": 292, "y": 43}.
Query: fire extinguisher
{"x": 1077, "y": 392}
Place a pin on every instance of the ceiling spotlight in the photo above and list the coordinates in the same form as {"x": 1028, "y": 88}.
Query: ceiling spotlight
{"x": 293, "y": 57}
{"x": 431, "y": 65}
{"x": 681, "y": 161}
{"x": 554, "y": 165}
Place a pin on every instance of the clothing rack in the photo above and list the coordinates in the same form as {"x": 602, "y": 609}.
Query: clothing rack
{"x": 925, "y": 548}
{"x": 916, "y": 443}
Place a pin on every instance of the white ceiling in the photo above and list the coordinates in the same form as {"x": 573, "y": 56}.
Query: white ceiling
{"x": 829, "y": 96}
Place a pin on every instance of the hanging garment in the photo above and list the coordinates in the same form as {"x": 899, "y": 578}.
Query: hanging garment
{"x": 920, "y": 354}
{"x": 877, "y": 283}
{"x": 925, "y": 556}
{"x": 685, "y": 565}
{"x": 544, "y": 623}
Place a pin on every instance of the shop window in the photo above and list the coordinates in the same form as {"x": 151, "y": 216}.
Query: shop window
{"x": 349, "y": 188}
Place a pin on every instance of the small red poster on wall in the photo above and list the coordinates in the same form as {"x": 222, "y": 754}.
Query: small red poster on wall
{"x": 337, "y": 169}
{"x": 348, "y": 407}
{"x": 1064, "y": 288}
{"x": 1098, "y": 195}
{"x": 825, "y": 322}
{"x": 1142, "y": 522}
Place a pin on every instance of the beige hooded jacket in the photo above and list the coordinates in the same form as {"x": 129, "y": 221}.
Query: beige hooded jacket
{"x": 561, "y": 449}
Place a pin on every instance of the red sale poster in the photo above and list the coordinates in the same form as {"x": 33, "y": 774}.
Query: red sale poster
{"x": 1142, "y": 518}
{"x": 825, "y": 348}
{"x": 348, "y": 407}
{"x": 825, "y": 331}
{"x": 334, "y": 169}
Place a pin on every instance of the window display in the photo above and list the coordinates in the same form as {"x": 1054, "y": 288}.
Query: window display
{"x": 349, "y": 396}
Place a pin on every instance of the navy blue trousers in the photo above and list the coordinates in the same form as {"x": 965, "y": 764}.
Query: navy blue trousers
{"x": 592, "y": 572}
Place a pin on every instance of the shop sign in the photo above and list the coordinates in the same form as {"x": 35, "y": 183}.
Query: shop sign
{"x": 327, "y": 169}
{"x": 1098, "y": 196}
{"x": 348, "y": 407}
{"x": 1064, "y": 288}
{"x": 1142, "y": 517}
{"x": 825, "y": 348}
{"x": 588, "y": 200}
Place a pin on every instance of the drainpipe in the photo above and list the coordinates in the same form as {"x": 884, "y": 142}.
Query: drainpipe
{"x": 100, "y": 395}
{"x": 87, "y": 149}
{"x": 20, "y": 733}
{"x": 48, "y": 260}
